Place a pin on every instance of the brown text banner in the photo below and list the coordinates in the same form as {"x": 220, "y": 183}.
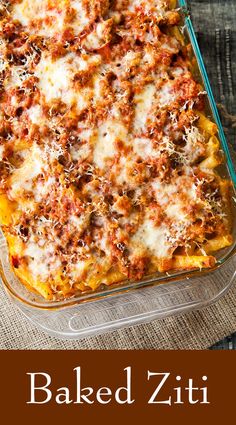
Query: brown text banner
{"x": 65, "y": 386}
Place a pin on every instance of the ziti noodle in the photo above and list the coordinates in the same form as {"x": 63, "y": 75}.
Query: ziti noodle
{"x": 108, "y": 161}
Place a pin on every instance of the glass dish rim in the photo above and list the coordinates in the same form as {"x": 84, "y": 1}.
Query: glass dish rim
{"x": 118, "y": 288}
{"x": 127, "y": 286}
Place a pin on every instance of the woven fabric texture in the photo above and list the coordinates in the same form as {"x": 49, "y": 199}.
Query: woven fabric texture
{"x": 214, "y": 22}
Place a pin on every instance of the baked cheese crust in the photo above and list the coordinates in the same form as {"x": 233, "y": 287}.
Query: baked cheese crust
{"x": 108, "y": 162}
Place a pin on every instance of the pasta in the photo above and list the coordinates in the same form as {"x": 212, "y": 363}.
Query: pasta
{"x": 108, "y": 160}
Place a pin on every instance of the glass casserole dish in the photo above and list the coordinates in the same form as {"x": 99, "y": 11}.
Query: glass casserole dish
{"x": 132, "y": 302}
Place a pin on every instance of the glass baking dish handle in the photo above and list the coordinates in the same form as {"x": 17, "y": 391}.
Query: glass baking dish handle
{"x": 189, "y": 25}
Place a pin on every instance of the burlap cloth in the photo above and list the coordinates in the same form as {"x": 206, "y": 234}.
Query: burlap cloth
{"x": 214, "y": 21}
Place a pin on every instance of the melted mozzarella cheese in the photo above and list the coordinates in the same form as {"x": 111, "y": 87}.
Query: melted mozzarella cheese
{"x": 2, "y": 149}
{"x": 35, "y": 114}
{"x": 149, "y": 56}
{"x": 56, "y": 79}
{"x": 167, "y": 193}
{"x": 178, "y": 71}
{"x": 42, "y": 259}
{"x": 34, "y": 251}
{"x": 158, "y": 6}
{"x": 171, "y": 46}
{"x": 121, "y": 176}
{"x": 143, "y": 147}
{"x": 143, "y": 103}
{"x": 43, "y": 188}
{"x": 80, "y": 152}
{"x": 81, "y": 19}
{"x": 22, "y": 178}
{"x": 130, "y": 59}
{"x": 194, "y": 147}
{"x": 154, "y": 238}
{"x": 27, "y": 11}
{"x": 100, "y": 36}
{"x": 104, "y": 147}
{"x": 79, "y": 223}
{"x": 49, "y": 18}
{"x": 163, "y": 191}
{"x": 166, "y": 95}
{"x": 3, "y": 64}
{"x": 176, "y": 212}
{"x": 78, "y": 269}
